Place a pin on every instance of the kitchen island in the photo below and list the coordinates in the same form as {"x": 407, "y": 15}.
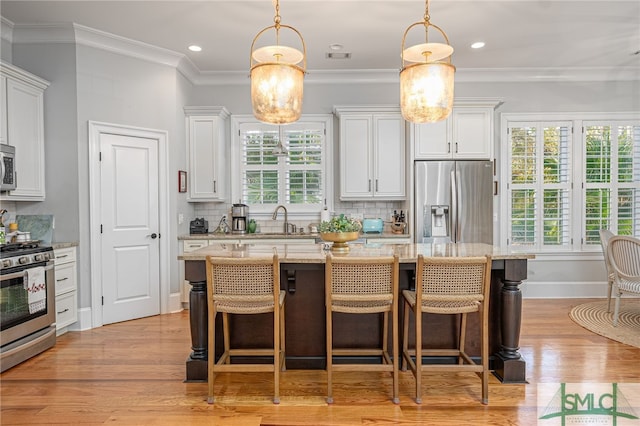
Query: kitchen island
{"x": 302, "y": 277}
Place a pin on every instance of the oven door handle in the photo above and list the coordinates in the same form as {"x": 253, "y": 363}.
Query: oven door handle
{"x": 21, "y": 274}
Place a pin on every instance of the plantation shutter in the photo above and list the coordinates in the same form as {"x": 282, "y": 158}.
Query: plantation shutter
{"x": 611, "y": 179}
{"x": 283, "y": 164}
{"x": 539, "y": 189}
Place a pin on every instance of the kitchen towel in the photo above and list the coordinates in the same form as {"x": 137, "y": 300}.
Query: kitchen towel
{"x": 36, "y": 289}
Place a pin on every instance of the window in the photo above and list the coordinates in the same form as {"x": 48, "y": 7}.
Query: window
{"x": 540, "y": 187}
{"x": 282, "y": 164}
{"x": 611, "y": 179}
{"x": 567, "y": 179}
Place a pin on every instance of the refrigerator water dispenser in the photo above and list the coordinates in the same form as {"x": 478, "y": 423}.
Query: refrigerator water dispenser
{"x": 440, "y": 221}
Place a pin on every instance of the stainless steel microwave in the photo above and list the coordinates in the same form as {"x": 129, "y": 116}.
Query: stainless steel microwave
{"x": 7, "y": 167}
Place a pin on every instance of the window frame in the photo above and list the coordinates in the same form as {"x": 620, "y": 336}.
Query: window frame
{"x": 295, "y": 211}
{"x": 577, "y": 154}
{"x": 539, "y": 185}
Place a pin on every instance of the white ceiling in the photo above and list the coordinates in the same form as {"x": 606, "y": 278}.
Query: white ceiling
{"x": 541, "y": 36}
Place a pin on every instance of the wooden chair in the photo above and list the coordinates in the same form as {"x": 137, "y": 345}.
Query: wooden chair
{"x": 448, "y": 285}
{"x": 356, "y": 285}
{"x": 245, "y": 286}
{"x": 624, "y": 257}
{"x": 605, "y": 236}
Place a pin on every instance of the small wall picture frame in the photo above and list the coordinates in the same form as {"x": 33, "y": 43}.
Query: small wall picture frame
{"x": 182, "y": 181}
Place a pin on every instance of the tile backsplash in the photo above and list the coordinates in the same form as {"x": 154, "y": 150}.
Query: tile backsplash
{"x": 213, "y": 212}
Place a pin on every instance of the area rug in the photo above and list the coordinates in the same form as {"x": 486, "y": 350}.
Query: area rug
{"x": 594, "y": 317}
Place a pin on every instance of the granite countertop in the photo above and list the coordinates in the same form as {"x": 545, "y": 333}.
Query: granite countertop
{"x": 277, "y": 235}
{"x": 315, "y": 253}
{"x": 61, "y": 245}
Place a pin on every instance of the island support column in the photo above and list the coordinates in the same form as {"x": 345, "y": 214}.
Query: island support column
{"x": 510, "y": 367}
{"x": 198, "y": 312}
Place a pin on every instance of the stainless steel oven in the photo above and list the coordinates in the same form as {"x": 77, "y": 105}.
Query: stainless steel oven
{"x": 27, "y": 302}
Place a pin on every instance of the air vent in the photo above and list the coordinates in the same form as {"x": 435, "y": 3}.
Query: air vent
{"x": 338, "y": 55}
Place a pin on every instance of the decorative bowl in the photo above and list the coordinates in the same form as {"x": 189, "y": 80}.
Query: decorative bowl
{"x": 339, "y": 239}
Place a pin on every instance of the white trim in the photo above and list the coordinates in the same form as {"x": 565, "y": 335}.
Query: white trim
{"x": 175, "y": 303}
{"x": 563, "y": 290}
{"x": 577, "y": 119}
{"x": 84, "y": 320}
{"x": 329, "y": 178}
{"x": 95, "y": 129}
{"x": 6, "y": 29}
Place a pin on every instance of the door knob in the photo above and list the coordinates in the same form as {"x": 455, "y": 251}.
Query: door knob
{"x": 153, "y": 236}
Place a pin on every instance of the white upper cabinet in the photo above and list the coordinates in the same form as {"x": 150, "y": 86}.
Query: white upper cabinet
{"x": 22, "y": 120}
{"x": 206, "y": 149}
{"x": 3, "y": 109}
{"x": 372, "y": 153}
{"x": 466, "y": 134}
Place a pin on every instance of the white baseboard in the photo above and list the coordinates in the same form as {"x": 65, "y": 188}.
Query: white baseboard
{"x": 563, "y": 290}
{"x": 175, "y": 302}
{"x": 84, "y": 321}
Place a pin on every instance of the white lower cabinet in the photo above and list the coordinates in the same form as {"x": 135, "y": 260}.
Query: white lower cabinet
{"x": 383, "y": 240}
{"x": 277, "y": 241}
{"x": 66, "y": 282}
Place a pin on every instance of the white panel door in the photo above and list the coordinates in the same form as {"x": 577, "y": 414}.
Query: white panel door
{"x": 130, "y": 227}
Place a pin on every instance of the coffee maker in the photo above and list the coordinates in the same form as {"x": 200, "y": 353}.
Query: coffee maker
{"x": 239, "y": 214}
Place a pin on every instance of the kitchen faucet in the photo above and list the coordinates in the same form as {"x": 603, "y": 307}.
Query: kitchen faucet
{"x": 286, "y": 217}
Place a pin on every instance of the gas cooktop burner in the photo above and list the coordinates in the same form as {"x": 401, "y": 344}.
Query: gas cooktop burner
{"x": 23, "y": 254}
{"x": 19, "y": 246}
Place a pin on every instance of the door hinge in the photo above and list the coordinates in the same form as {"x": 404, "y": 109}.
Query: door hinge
{"x": 102, "y": 300}
{"x": 101, "y": 228}
{"x": 100, "y": 156}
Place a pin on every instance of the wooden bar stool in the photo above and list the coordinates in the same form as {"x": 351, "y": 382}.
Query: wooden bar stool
{"x": 356, "y": 285}
{"x": 449, "y": 285}
{"x": 245, "y": 286}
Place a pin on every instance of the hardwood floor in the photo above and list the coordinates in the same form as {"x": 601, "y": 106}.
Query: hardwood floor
{"x": 132, "y": 373}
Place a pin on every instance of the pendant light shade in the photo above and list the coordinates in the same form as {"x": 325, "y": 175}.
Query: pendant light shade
{"x": 277, "y": 79}
{"x": 426, "y": 82}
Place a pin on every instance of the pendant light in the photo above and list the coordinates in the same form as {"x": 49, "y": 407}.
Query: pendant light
{"x": 276, "y": 77}
{"x": 426, "y": 83}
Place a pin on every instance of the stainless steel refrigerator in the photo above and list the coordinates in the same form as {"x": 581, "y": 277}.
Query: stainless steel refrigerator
{"x": 453, "y": 201}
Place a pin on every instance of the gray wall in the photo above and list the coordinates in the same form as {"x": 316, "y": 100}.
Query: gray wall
{"x": 93, "y": 84}
{"x": 122, "y": 90}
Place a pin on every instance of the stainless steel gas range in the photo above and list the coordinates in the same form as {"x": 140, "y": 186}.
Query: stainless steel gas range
{"x": 27, "y": 302}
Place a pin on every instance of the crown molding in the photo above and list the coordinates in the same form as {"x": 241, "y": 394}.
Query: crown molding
{"x": 6, "y": 29}
{"x": 113, "y": 43}
{"x": 79, "y": 34}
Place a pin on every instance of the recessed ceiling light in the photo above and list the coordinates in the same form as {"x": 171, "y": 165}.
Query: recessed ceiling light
{"x": 336, "y": 46}
{"x": 477, "y": 45}
{"x": 195, "y": 48}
